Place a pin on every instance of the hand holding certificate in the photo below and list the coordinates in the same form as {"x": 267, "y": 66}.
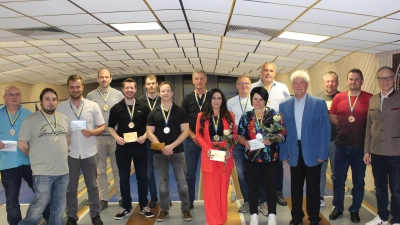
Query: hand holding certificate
{"x": 9, "y": 146}
{"x": 130, "y": 137}
{"x": 217, "y": 155}
{"x": 157, "y": 146}
{"x": 78, "y": 125}
{"x": 256, "y": 144}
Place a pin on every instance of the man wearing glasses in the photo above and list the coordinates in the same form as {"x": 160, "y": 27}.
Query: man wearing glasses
{"x": 382, "y": 140}
{"x": 278, "y": 92}
{"x": 14, "y": 166}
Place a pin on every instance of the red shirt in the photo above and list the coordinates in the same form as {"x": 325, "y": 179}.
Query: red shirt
{"x": 352, "y": 134}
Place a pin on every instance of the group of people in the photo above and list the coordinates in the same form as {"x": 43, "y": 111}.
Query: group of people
{"x": 254, "y": 131}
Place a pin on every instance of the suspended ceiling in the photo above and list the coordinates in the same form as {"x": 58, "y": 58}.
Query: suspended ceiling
{"x": 46, "y": 41}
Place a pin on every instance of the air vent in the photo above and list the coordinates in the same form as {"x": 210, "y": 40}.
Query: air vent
{"x": 252, "y": 30}
{"x": 37, "y": 31}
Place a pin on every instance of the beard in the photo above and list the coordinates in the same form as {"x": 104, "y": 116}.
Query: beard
{"x": 77, "y": 96}
{"x": 48, "y": 111}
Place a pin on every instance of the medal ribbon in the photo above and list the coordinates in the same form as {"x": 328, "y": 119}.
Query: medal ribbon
{"x": 133, "y": 109}
{"x": 104, "y": 98}
{"x": 216, "y": 124}
{"x": 148, "y": 102}
{"x": 12, "y": 121}
{"x": 258, "y": 122}
{"x": 197, "y": 99}
{"x": 166, "y": 118}
{"x": 355, "y": 102}
{"x": 79, "y": 113}
{"x": 53, "y": 128}
{"x": 245, "y": 106}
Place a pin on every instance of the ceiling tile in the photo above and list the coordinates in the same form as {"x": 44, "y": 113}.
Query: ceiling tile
{"x": 160, "y": 44}
{"x": 223, "y": 6}
{"x": 4, "y": 33}
{"x": 335, "y": 18}
{"x": 125, "y": 45}
{"x": 117, "y": 57}
{"x": 120, "y": 39}
{"x": 60, "y": 48}
{"x": 352, "y": 42}
{"x": 380, "y": 8}
{"x": 169, "y": 15}
{"x": 287, "y": 59}
{"x": 383, "y": 25}
{"x": 86, "y": 29}
{"x": 25, "y": 50}
{"x": 171, "y": 55}
{"x": 238, "y": 47}
{"x": 168, "y": 50}
{"x": 258, "y": 22}
{"x": 210, "y": 32}
{"x": 65, "y": 60}
{"x": 40, "y": 43}
{"x": 304, "y": 3}
{"x": 126, "y": 17}
{"x": 314, "y": 49}
{"x": 5, "y": 53}
{"x": 67, "y": 20}
{"x": 176, "y": 26}
{"x": 307, "y": 55}
{"x": 259, "y": 58}
{"x": 340, "y": 53}
{"x": 371, "y": 51}
{"x": 40, "y": 8}
{"x": 111, "y": 6}
{"x": 206, "y": 44}
{"x": 371, "y": 36}
{"x": 318, "y": 29}
{"x": 20, "y": 22}
{"x": 340, "y": 47}
{"x": 271, "y": 44}
{"x": 207, "y": 17}
{"x": 91, "y": 47}
{"x": 274, "y": 10}
{"x": 296, "y": 42}
{"x": 158, "y": 37}
{"x": 395, "y": 16}
{"x": 18, "y": 58}
{"x": 164, "y": 4}
{"x": 206, "y": 26}
{"x": 331, "y": 58}
{"x": 387, "y": 47}
{"x": 272, "y": 51}
{"x": 83, "y": 41}
{"x": 32, "y": 62}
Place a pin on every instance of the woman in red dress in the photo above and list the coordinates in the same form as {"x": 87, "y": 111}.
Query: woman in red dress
{"x": 216, "y": 130}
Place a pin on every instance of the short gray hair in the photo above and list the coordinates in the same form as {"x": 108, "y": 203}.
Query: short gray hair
{"x": 300, "y": 73}
{"x": 269, "y": 63}
{"x": 331, "y": 73}
{"x": 199, "y": 71}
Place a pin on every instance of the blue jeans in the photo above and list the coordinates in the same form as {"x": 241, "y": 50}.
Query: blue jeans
{"x": 346, "y": 156}
{"x": 11, "y": 179}
{"x": 382, "y": 167}
{"x": 124, "y": 156}
{"x": 324, "y": 166}
{"x": 192, "y": 153}
{"x": 238, "y": 157}
{"x": 47, "y": 189}
{"x": 151, "y": 180}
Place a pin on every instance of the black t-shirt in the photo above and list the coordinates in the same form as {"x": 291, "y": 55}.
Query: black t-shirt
{"x": 119, "y": 115}
{"x": 176, "y": 118}
{"x": 191, "y": 107}
{"x": 143, "y": 100}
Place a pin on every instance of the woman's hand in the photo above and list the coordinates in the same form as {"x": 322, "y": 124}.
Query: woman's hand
{"x": 209, "y": 154}
{"x": 267, "y": 141}
{"x": 246, "y": 144}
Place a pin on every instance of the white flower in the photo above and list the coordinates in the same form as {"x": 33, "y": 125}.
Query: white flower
{"x": 227, "y": 132}
{"x": 277, "y": 118}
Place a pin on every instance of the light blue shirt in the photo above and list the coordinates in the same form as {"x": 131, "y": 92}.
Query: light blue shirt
{"x": 10, "y": 160}
{"x": 298, "y": 114}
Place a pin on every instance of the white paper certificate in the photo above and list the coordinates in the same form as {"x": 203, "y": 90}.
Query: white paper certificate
{"x": 78, "y": 125}
{"x": 10, "y": 146}
{"x": 218, "y": 155}
{"x": 256, "y": 144}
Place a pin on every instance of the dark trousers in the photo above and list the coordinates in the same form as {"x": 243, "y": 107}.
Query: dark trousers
{"x": 312, "y": 177}
{"x": 124, "y": 156}
{"x": 256, "y": 174}
{"x": 11, "y": 180}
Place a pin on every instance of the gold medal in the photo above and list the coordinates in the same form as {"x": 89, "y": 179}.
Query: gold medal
{"x": 105, "y": 108}
{"x": 56, "y": 139}
{"x": 216, "y": 138}
{"x": 352, "y": 119}
{"x": 12, "y": 132}
{"x": 131, "y": 125}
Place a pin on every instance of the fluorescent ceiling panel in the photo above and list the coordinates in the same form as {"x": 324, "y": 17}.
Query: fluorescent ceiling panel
{"x": 302, "y": 36}
{"x": 318, "y": 29}
{"x": 267, "y": 10}
{"x": 333, "y": 18}
{"x": 126, "y": 17}
{"x": 136, "y": 26}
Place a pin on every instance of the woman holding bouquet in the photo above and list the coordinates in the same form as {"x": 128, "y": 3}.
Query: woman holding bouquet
{"x": 262, "y": 126}
{"x": 216, "y": 130}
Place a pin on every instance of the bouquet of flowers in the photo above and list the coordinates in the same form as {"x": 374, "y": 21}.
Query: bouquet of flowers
{"x": 228, "y": 138}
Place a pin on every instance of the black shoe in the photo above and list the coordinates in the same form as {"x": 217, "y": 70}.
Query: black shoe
{"x": 71, "y": 221}
{"x": 153, "y": 202}
{"x": 295, "y": 222}
{"x": 335, "y": 214}
{"x": 281, "y": 199}
{"x": 122, "y": 213}
{"x": 97, "y": 220}
{"x": 191, "y": 206}
{"x": 146, "y": 212}
{"x": 354, "y": 217}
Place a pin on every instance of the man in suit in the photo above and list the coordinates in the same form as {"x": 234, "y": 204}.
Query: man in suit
{"x": 306, "y": 146}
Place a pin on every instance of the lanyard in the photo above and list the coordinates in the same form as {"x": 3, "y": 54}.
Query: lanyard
{"x": 197, "y": 99}
{"x": 148, "y": 102}
{"x": 257, "y": 121}
{"x": 354, "y": 104}
{"x": 133, "y": 109}
{"x": 104, "y": 98}
{"x": 216, "y": 124}
{"x": 53, "y": 128}
{"x": 12, "y": 121}
{"x": 166, "y": 118}
{"x": 245, "y": 106}
{"x": 79, "y": 113}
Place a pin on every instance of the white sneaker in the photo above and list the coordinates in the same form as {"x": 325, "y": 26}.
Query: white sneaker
{"x": 264, "y": 209}
{"x": 254, "y": 219}
{"x": 377, "y": 221}
{"x": 271, "y": 219}
{"x": 322, "y": 202}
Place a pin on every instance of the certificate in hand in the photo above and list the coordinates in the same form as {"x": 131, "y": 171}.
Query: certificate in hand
{"x": 9, "y": 146}
{"x": 130, "y": 137}
{"x": 78, "y": 125}
{"x": 218, "y": 155}
{"x": 256, "y": 144}
{"x": 157, "y": 146}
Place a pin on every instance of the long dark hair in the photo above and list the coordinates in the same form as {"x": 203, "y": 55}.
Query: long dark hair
{"x": 208, "y": 110}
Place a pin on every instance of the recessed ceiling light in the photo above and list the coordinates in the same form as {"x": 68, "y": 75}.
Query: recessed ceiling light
{"x": 136, "y": 26}
{"x": 302, "y": 36}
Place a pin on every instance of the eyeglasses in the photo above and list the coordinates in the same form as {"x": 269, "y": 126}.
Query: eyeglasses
{"x": 244, "y": 83}
{"x": 13, "y": 95}
{"x": 381, "y": 79}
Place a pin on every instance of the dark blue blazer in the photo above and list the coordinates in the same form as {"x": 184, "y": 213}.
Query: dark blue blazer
{"x": 315, "y": 132}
